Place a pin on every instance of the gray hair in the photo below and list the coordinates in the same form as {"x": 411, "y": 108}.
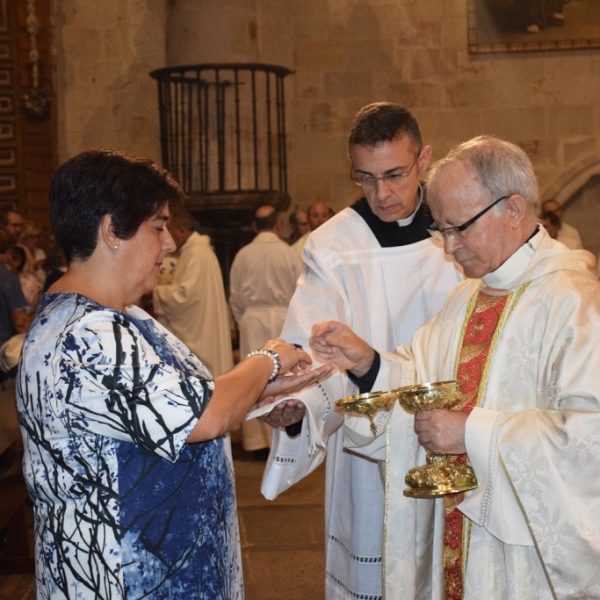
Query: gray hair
{"x": 500, "y": 167}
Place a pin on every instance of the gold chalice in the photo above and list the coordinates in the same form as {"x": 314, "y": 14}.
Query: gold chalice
{"x": 368, "y": 404}
{"x": 444, "y": 473}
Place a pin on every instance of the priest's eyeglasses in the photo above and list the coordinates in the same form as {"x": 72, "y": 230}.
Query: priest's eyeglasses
{"x": 393, "y": 179}
{"x": 442, "y": 234}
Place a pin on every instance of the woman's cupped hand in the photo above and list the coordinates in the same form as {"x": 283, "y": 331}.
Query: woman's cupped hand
{"x": 295, "y": 373}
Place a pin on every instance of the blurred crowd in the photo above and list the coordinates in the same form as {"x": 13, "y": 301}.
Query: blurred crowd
{"x": 36, "y": 264}
{"x": 27, "y": 268}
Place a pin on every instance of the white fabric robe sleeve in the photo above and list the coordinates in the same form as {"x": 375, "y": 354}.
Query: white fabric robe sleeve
{"x": 535, "y": 463}
{"x": 291, "y": 459}
{"x": 396, "y": 370}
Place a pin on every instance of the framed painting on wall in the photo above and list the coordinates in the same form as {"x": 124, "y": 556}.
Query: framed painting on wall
{"x": 532, "y": 25}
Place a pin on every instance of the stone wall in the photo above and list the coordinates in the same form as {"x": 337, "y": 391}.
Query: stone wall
{"x": 345, "y": 54}
{"x": 104, "y": 51}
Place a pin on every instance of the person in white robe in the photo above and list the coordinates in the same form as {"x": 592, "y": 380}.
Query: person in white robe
{"x": 298, "y": 220}
{"x": 375, "y": 267}
{"x": 530, "y": 529}
{"x": 261, "y": 282}
{"x": 567, "y": 234}
{"x": 193, "y": 305}
{"x": 317, "y": 213}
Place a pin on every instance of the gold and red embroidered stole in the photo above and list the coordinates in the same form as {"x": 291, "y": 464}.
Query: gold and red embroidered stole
{"x": 480, "y": 333}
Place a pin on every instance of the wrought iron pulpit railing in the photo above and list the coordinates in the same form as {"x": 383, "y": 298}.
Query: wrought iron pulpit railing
{"x": 223, "y": 136}
{"x": 223, "y": 133}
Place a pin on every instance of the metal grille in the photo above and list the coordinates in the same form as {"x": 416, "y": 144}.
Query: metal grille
{"x": 223, "y": 127}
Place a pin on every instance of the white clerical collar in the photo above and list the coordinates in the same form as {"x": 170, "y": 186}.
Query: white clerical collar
{"x": 411, "y": 217}
{"x": 513, "y": 267}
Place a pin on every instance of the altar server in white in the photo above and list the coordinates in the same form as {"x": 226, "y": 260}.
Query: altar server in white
{"x": 262, "y": 280}
{"x": 567, "y": 234}
{"x": 375, "y": 267}
{"x": 521, "y": 338}
{"x": 193, "y": 305}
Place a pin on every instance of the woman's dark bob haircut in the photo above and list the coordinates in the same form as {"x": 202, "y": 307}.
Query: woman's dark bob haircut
{"x": 105, "y": 182}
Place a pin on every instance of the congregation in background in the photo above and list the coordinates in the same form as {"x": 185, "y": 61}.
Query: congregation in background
{"x": 27, "y": 269}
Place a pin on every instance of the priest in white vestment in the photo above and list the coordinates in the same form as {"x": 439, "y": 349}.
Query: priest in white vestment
{"x": 193, "y": 305}
{"x": 567, "y": 234}
{"x": 521, "y": 338}
{"x": 375, "y": 267}
{"x": 261, "y": 282}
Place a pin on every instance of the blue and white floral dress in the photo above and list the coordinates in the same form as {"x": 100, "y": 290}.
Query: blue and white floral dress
{"x": 123, "y": 507}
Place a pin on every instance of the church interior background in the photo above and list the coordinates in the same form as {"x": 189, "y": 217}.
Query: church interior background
{"x": 75, "y": 74}
{"x": 95, "y": 60}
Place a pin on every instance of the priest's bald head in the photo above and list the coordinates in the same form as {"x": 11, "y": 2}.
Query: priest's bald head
{"x": 268, "y": 218}
{"x": 388, "y": 159}
{"x": 484, "y": 198}
{"x": 317, "y": 213}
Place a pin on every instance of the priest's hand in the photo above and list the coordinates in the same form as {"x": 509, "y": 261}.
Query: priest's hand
{"x": 283, "y": 414}
{"x": 441, "y": 431}
{"x": 332, "y": 341}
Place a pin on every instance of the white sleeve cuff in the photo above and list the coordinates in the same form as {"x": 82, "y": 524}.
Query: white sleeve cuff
{"x": 493, "y": 504}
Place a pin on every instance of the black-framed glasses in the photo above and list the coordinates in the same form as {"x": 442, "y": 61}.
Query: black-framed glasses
{"x": 441, "y": 234}
{"x": 368, "y": 181}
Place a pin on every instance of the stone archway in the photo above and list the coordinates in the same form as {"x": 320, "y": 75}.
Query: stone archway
{"x": 582, "y": 210}
{"x": 579, "y": 193}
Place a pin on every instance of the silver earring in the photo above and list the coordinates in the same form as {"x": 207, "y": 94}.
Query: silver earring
{"x": 116, "y": 246}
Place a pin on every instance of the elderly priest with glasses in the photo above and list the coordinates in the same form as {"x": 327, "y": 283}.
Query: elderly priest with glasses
{"x": 521, "y": 338}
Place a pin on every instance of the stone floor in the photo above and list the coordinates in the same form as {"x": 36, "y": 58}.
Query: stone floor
{"x": 282, "y": 541}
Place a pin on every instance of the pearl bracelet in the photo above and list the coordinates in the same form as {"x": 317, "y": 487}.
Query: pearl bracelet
{"x": 274, "y": 356}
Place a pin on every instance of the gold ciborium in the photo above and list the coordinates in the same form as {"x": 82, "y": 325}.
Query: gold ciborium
{"x": 444, "y": 473}
{"x": 368, "y": 404}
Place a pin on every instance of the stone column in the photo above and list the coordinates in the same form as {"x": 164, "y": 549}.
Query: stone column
{"x": 225, "y": 32}
{"x": 206, "y": 31}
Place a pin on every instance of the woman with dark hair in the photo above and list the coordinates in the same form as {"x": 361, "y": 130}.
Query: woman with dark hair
{"x": 125, "y": 456}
